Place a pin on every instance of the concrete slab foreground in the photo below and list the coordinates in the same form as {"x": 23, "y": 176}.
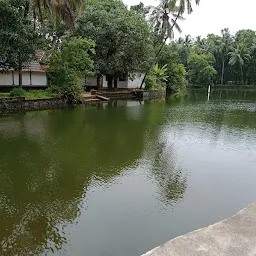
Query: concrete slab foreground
{"x": 232, "y": 237}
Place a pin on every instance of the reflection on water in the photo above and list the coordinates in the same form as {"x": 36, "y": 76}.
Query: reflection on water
{"x": 122, "y": 177}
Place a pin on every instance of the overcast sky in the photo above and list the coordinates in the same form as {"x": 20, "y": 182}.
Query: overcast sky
{"x": 213, "y": 15}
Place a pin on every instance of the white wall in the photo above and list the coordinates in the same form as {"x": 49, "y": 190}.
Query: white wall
{"x": 6, "y": 79}
{"x": 16, "y": 78}
{"x": 132, "y": 83}
{"x": 122, "y": 84}
{"x": 91, "y": 81}
{"x": 105, "y": 82}
{"x": 38, "y": 79}
{"x": 25, "y": 78}
{"x": 135, "y": 81}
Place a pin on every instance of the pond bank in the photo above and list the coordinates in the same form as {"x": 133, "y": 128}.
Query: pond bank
{"x": 17, "y": 104}
{"x": 229, "y": 87}
{"x": 131, "y": 94}
{"x": 232, "y": 237}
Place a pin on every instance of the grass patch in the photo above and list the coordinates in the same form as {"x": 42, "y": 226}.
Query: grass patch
{"x": 30, "y": 94}
{"x": 4, "y": 95}
{"x": 38, "y": 94}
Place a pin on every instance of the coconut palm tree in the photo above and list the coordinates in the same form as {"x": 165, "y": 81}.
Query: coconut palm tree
{"x": 164, "y": 20}
{"x": 183, "y": 5}
{"x": 225, "y": 45}
{"x": 176, "y": 8}
{"x": 188, "y": 42}
{"x": 239, "y": 56}
{"x": 163, "y": 25}
{"x": 64, "y": 10}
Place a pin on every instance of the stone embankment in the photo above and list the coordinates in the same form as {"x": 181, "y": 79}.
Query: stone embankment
{"x": 232, "y": 237}
{"x": 16, "y": 104}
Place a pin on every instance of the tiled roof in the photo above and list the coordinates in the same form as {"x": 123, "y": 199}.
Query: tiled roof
{"x": 40, "y": 54}
{"x": 33, "y": 66}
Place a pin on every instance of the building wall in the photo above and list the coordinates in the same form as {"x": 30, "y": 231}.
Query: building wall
{"x": 25, "y": 78}
{"x": 91, "y": 81}
{"x": 6, "y": 79}
{"x": 38, "y": 79}
{"x": 134, "y": 82}
{"x": 122, "y": 84}
{"x": 105, "y": 82}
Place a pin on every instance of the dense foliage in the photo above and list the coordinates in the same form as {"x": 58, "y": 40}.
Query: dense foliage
{"x": 175, "y": 71}
{"x": 201, "y": 70}
{"x": 69, "y": 66}
{"x": 104, "y": 37}
{"x": 123, "y": 39}
{"x": 17, "y": 38}
{"x": 231, "y": 58}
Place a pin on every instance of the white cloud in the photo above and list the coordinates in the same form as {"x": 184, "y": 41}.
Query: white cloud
{"x": 213, "y": 15}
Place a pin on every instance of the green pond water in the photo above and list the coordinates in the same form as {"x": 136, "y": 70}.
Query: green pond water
{"x": 120, "y": 178}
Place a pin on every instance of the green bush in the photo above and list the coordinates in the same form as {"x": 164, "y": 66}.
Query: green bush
{"x": 17, "y": 92}
{"x": 150, "y": 82}
{"x": 67, "y": 84}
{"x": 69, "y": 67}
{"x": 176, "y": 77}
{"x": 201, "y": 69}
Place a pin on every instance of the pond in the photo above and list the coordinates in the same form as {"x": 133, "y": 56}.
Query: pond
{"x": 120, "y": 178}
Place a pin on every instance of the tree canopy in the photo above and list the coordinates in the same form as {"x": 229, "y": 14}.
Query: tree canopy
{"x": 234, "y": 56}
{"x": 123, "y": 38}
{"x": 69, "y": 66}
{"x": 17, "y": 37}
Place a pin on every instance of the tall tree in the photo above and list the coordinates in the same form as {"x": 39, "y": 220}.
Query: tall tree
{"x": 183, "y": 5}
{"x": 176, "y": 8}
{"x": 123, "y": 39}
{"x": 56, "y": 10}
{"x": 239, "y": 56}
{"x": 225, "y": 45}
{"x": 201, "y": 69}
{"x": 141, "y": 9}
{"x": 164, "y": 19}
{"x": 17, "y": 38}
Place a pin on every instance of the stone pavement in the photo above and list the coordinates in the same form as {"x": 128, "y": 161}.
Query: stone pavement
{"x": 232, "y": 237}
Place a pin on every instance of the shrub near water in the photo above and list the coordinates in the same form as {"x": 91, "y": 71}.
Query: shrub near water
{"x": 69, "y": 66}
{"x": 17, "y": 92}
{"x": 31, "y": 94}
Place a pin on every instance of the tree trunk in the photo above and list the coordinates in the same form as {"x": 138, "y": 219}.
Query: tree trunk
{"x": 144, "y": 78}
{"x": 100, "y": 82}
{"x": 242, "y": 75}
{"x": 110, "y": 82}
{"x": 20, "y": 70}
{"x": 20, "y": 77}
{"x": 115, "y": 82}
{"x": 223, "y": 71}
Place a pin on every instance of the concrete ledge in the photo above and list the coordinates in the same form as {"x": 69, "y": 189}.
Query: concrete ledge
{"x": 232, "y": 237}
{"x": 16, "y": 104}
{"x": 150, "y": 95}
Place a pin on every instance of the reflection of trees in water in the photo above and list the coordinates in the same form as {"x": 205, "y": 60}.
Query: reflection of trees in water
{"x": 44, "y": 178}
{"x": 221, "y": 94}
{"x": 49, "y": 159}
{"x": 171, "y": 180}
{"x": 34, "y": 201}
{"x": 164, "y": 167}
{"x": 227, "y": 108}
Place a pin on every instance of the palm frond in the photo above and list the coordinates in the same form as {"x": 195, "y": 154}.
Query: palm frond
{"x": 176, "y": 25}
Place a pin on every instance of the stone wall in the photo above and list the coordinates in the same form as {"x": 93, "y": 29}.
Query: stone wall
{"x": 16, "y": 104}
{"x": 150, "y": 95}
